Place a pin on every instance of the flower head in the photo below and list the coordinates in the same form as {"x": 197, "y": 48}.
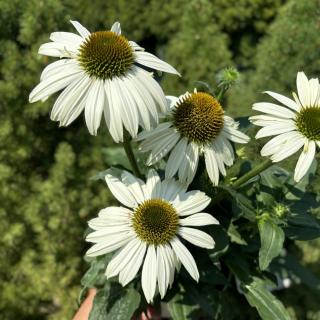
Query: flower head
{"x": 149, "y": 229}
{"x": 197, "y": 125}
{"x": 101, "y": 73}
{"x": 295, "y": 125}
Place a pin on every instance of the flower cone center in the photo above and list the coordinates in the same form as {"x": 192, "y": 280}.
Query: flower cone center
{"x": 155, "y": 221}
{"x": 308, "y": 122}
{"x": 105, "y": 55}
{"x": 198, "y": 117}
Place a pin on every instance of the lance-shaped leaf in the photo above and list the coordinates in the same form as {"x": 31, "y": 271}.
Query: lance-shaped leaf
{"x": 267, "y": 305}
{"x": 272, "y": 238}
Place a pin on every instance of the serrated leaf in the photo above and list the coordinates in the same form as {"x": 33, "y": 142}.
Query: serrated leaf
{"x": 267, "y": 305}
{"x": 272, "y": 238}
{"x": 114, "y": 302}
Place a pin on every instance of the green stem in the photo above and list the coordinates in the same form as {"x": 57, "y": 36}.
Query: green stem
{"x": 252, "y": 173}
{"x": 128, "y": 150}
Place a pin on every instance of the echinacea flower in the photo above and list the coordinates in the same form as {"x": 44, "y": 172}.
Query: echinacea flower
{"x": 101, "y": 73}
{"x": 197, "y": 124}
{"x": 295, "y": 124}
{"x": 150, "y": 230}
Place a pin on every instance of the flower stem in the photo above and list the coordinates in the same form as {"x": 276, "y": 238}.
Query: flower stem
{"x": 128, "y": 150}
{"x": 252, "y": 173}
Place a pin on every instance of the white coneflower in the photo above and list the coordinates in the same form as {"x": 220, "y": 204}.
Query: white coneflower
{"x": 296, "y": 125}
{"x": 197, "y": 125}
{"x": 101, "y": 72}
{"x": 148, "y": 231}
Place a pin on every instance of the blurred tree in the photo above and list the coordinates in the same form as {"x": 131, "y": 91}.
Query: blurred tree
{"x": 291, "y": 45}
{"x": 45, "y": 195}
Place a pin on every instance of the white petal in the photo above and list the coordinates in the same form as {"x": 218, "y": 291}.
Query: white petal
{"x": 231, "y": 132}
{"x": 115, "y": 213}
{"x": 197, "y": 237}
{"x": 303, "y": 89}
{"x": 135, "y": 46}
{"x": 60, "y": 50}
{"x": 66, "y": 38}
{"x": 305, "y": 161}
{"x": 94, "y": 106}
{"x": 139, "y": 104}
{"x": 161, "y": 149}
{"x": 314, "y": 91}
{"x": 288, "y": 149}
{"x": 171, "y": 101}
{"x": 151, "y": 61}
{"x": 185, "y": 257}
{"x": 135, "y": 186}
{"x": 81, "y": 29}
{"x": 122, "y": 257}
{"x": 163, "y": 271}
{"x": 150, "y": 102}
{"x": 106, "y": 233}
{"x": 131, "y": 269}
{"x": 191, "y": 202}
{"x": 175, "y": 158}
{"x": 114, "y": 243}
{"x": 153, "y": 184}
{"x": 149, "y": 274}
{"x": 55, "y": 67}
{"x": 192, "y": 157}
{"x": 266, "y": 120}
{"x": 218, "y": 150}
{"x": 56, "y": 82}
{"x": 274, "y": 109}
{"x": 147, "y": 82}
{"x": 154, "y": 132}
{"x": 127, "y": 107}
{"x": 284, "y": 100}
{"x": 170, "y": 188}
{"x": 112, "y": 113}
{"x": 199, "y": 219}
{"x": 71, "y": 102}
{"x": 116, "y": 28}
{"x": 120, "y": 191}
{"x": 276, "y": 143}
{"x": 212, "y": 166}
{"x": 276, "y": 129}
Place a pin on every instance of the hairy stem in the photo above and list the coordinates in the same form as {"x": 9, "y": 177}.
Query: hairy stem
{"x": 252, "y": 173}
{"x": 128, "y": 150}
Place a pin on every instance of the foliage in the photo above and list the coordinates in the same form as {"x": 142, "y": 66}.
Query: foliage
{"x": 46, "y": 195}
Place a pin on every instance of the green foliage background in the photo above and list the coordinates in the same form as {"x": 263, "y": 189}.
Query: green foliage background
{"x": 46, "y": 195}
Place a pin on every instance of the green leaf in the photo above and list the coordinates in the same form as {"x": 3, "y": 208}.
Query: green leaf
{"x": 95, "y": 275}
{"x": 272, "y": 238}
{"x": 235, "y": 236}
{"x": 242, "y": 206}
{"x": 114, "y": 302}
{"x": 181, "y": 308}
{"x": 302, "y": 226}
{"x": 267, "y": 305}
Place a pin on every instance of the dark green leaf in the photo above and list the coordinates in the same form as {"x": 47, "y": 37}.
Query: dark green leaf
{"x": 302, "y": 226}
{"x": 267, "y": 305}
{"x": 272, "y": 238}
{"x": 114, "y": 302}
{"x": 181, "y": 308}
{"x": 95, "y": 275}
{"x": 235, "y": 236}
